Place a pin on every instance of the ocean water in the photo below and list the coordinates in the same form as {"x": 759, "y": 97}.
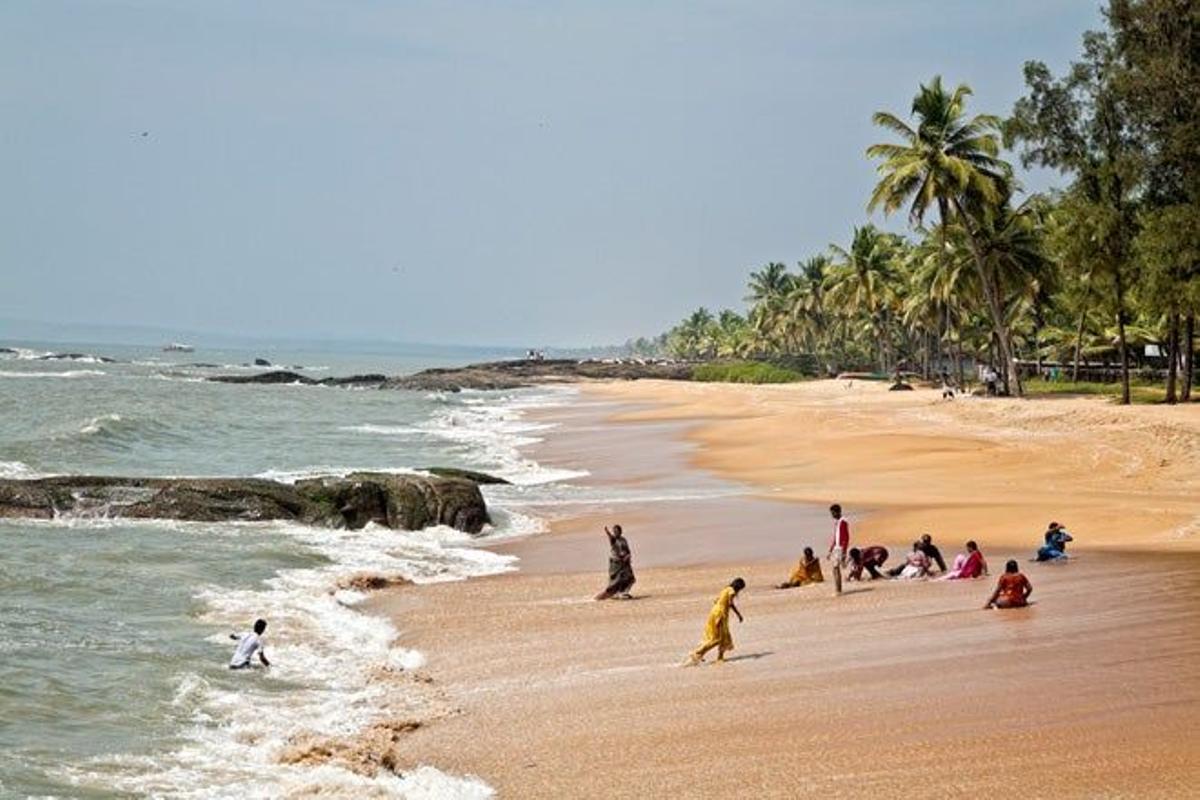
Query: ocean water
{"x": 114, "y": 635}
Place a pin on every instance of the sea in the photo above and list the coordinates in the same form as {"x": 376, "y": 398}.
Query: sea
{"x": 115, "y": 634}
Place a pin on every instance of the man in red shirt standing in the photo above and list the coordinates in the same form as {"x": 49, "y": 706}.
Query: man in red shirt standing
{"x": 839, "y": 545}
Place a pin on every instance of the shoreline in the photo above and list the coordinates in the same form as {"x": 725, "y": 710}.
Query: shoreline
{"x": 832, "y": 695}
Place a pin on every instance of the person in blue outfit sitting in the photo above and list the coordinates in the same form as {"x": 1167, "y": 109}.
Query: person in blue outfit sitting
{"x": 1055, "y": 546}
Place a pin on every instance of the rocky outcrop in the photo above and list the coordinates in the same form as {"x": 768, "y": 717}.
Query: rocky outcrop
{"x": 408, "y": 502}
{"x": 261, "y": 362}
{"x": 482, "y": 478}
{"x": 493, "y": 375}
{"x": 289, "y": 377}
{"x": 518, "y": 374}
{"x": 76, "y": 357}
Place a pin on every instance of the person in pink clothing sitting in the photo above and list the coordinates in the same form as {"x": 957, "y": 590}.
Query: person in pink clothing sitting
{"x": 970, "y": 564}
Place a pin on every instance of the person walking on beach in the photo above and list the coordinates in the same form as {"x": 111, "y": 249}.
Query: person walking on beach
{"x": 716, "y": 629}
{"x": 839, "y": 545}
{"x": 1012, "y": 590}
{"x": 620, "y": 566}
{"x": 248, "y": 644}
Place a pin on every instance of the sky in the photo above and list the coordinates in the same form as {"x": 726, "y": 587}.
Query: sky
{"x": 509, "y": 173}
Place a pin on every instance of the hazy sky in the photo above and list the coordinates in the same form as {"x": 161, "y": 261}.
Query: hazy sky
{"x": 521, "y": 173}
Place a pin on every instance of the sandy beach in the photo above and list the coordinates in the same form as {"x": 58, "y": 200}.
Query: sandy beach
{"x": 906, "y": 688}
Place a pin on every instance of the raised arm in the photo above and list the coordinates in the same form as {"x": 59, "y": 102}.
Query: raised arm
{"x": 992, "y": 600}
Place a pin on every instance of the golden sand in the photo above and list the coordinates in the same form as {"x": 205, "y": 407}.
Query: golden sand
{"x": 892, "y": 689}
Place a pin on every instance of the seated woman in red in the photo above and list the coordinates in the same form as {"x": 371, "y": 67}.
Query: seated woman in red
{"x": 1012, "y": 590}
{"x": 970, "y": 564}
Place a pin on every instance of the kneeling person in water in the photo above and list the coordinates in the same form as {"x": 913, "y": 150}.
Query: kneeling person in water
{"x": 247, "y": 645}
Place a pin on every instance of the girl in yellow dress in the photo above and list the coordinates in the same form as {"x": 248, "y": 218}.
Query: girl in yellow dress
{"x": 716, "y": 630}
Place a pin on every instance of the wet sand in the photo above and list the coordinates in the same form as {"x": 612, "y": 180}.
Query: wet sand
{"x": 905, "y": 688}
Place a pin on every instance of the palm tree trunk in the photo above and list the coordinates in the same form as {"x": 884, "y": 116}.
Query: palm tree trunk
{"x": 1124, "y": 350}
{"x": 1189, "y": 356}
{"x": 1173, "y": 355}
{"x": 1078, "y": 344}
{"x": 994, "y": 308}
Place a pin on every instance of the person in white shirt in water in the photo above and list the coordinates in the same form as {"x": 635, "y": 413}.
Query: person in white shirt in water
{"x": 247, "y": 645}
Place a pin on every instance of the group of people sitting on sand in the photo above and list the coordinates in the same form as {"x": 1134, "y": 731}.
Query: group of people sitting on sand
{"x": 923, "y": 561}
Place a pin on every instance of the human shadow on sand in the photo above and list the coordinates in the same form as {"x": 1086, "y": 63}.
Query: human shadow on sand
{"x": 751, "y": 656}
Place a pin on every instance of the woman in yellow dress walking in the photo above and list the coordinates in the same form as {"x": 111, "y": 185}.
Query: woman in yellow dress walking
{"x": 716, "y": 630}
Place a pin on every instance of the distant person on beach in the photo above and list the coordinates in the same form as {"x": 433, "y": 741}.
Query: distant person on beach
{"x": 839, "y": 544}
{"x": 716, "y": 629}
{"x": 970, "y": 564}
{"x": 869, "y": 558}
{"x": 1012, "y": 590}
{"x": 916, "y": 564}
{"x": 932, "y": 554}
{"x": 620, "y": 566}
{"x": 1054, "y": 546}
{"x": 930, "y": 549}
{"x": 248, "y": 644}
{"x": 990, "y": 379}
{"x": 807, "y": 571}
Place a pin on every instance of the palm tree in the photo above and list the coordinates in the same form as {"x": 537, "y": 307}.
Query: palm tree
{"x": 860, "y": 281}
{"x": 773, "y": 280}
{"x": 807, "y": 302}
{"x": 949, "y": 162}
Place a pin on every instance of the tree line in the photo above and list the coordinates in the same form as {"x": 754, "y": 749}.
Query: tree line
{"x": 1090, "y": 272}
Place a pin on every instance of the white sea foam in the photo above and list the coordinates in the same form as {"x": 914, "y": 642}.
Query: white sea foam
{"x": 70, "y": 373}
{"x": 492, "y": 431}
{"x": 323, "y": 654}
{"x": 384, "y": 430}
{"x": 326, "y": 471}
{"x": 99, "y": 424}
{"x": 17, "y": 469}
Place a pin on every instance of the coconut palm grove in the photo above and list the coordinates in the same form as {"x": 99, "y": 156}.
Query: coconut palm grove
{"x": 1093, "y": 286}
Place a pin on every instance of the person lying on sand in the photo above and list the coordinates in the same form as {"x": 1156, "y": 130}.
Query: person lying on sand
{"x": 620, "y": 566}
{"x": 716, "y": 629}
{"x": 1054, "y": 546}
{"x": 970, "y": 564}
{"x": 807, "y": 571}
{"x": 247, "y": 645}
{"x": 916, "y": 565}
{"x": 1012, "y": 590}
{"x": 869, "y": 558}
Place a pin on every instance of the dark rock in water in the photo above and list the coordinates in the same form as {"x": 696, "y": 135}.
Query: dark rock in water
{"x": 8, "y": 351}
{"x": 289, "y": 377}
{"x": 202, "y": 365}
{"x": 518, "y": 374}
{"x": 278, "y": 376}
{"x": 482, "y": 478}
{"x": 76, "y": 357}
{"x": 409, "y": 502}
{"x": 261, "y": 362}
{"x": 496, "y": 375}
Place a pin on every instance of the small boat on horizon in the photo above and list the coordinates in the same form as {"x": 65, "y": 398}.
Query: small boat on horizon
{"x": 177, "y": 347}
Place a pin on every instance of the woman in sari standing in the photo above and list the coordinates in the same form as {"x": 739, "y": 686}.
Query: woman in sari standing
{"x": 620, "y": 566}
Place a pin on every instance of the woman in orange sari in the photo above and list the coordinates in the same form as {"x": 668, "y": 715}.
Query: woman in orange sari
{"x": 1012, "y": 590}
